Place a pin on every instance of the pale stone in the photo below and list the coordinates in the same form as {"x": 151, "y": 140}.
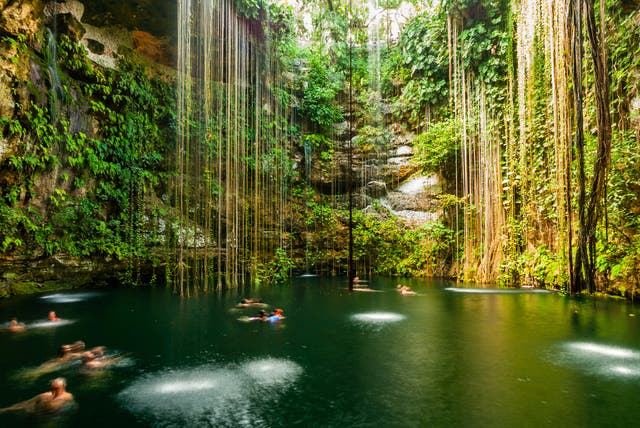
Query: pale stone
{"x": 21, "y": 18}
{"x": 75, "y": 8}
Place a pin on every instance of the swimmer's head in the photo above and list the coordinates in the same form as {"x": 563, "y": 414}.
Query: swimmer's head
{"x": 98, "y": 351}
{"x": 58, "y": 384}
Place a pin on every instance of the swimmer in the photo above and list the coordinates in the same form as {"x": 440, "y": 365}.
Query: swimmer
{"x": 276, "y": 315}
{"x": 52, "y": 317}
{"x": 66, "y": 355}
{"x": 251, "y": 303}
{"x": 96, "y": 358}
{"x": 357, "y": 282}
{"x": 262, "y": 316}
{"x": 71, "y": 351}
{"x": 14, "y": 325}
{"x": 47, "y": 403}
{"x": 405, "y": 290}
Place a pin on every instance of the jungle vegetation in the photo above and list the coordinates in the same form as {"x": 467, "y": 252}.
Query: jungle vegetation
{"x": 530, "y": 120}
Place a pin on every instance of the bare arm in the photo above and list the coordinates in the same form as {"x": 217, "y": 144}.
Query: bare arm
{"x": 25, "y": 405}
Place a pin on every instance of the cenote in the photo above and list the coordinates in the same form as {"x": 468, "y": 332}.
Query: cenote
{"x": 445, "y": 357}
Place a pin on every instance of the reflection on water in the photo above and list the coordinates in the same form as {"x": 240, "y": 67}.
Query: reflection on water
{"x": 69, "y": 297}
{"x": 216, "y": 395}
{"x": 599, "y": 360}
{"x": 50, "y": 324}
{"x": 497, "y": 290}
{"x": 271, "y": 371}
{"x": 605, "y": 350}
{"x": 377, "y": 317}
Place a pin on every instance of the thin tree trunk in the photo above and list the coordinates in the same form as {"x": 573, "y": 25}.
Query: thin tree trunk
{"x": 603, "y": 119}
{"x": 581, "y": 265}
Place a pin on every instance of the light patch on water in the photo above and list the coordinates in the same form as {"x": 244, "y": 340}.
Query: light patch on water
{"x": 378, "y": 317}
{"x": 599, "y": 360}
{"x": 605, "y": 350}
{"x": 68, "y": 297}
{"x": 497, "y": 290}
{"x": 272, "y": 371}
{"x": 185, "y": 386}
{"x": 230, "y": 395}
{"x": 50, "y": 324}
{"x": 625, "y": 371}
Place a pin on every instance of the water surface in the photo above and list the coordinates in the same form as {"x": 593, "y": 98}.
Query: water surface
{"x": 447, "y": 357}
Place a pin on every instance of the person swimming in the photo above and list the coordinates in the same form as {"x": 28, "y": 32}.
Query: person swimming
{"x": 14, "y": 325}
{"x": 67, "y": 354}
{"x": 56, "y": 400}
{"x": 276, "y": 315}
{"x": 262, "y": 316}
{"x": 405, "y": 290}
{"x": 96, "y": 358}
{"x": 251, "y": 303}
{"x": 52, "y": 317}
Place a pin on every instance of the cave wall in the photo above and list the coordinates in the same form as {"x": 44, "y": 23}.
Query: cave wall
{"x": 109, "y": 30}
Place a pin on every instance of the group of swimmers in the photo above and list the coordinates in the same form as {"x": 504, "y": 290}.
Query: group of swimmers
{"x": 93, "y": 358}
{"x": 263, "y": 315}
{"x": 57, "y": 399}
{"x": 360, "y": 285}
{"x": 15, "y": 325}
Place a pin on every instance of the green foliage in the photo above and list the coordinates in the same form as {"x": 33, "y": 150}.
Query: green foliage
{"x": 619, "y": 254}
{"x": 484, "y": 41}
{"x": 321, "y": 215}
{"x": 319, "y": 104}
{"x": 17, "y": 44}
{"x": 319, "y": 142}
{"x": 436, "y": 149}
{"x": 278, "y": 270}
{"x": 372, "y": 138}
{"x": 417, "y": 67}
{"x": 100, "y": 210}
{"x": 250, "y": 8}
{"x": 387, "y": 247}
{"x": 537, "y": 267}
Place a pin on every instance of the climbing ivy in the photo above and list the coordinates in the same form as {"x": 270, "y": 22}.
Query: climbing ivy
{"x": 103, "y": 173}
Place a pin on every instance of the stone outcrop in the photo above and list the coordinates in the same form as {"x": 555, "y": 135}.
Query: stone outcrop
{"x": 386, "y": 174}
{"x": 21, "y": 18}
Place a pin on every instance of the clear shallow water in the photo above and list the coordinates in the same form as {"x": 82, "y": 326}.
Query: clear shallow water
{"x": 444, "y": 358}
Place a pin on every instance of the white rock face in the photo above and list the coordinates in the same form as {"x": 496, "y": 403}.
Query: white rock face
{"x": 75, "y": 8}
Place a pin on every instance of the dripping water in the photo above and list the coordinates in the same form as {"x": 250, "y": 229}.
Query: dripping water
{"x": 55, "y": 91}
{"x": 231, "y": 158}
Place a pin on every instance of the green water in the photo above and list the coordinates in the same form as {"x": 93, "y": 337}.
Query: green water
{"x": 443, "y": 358}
